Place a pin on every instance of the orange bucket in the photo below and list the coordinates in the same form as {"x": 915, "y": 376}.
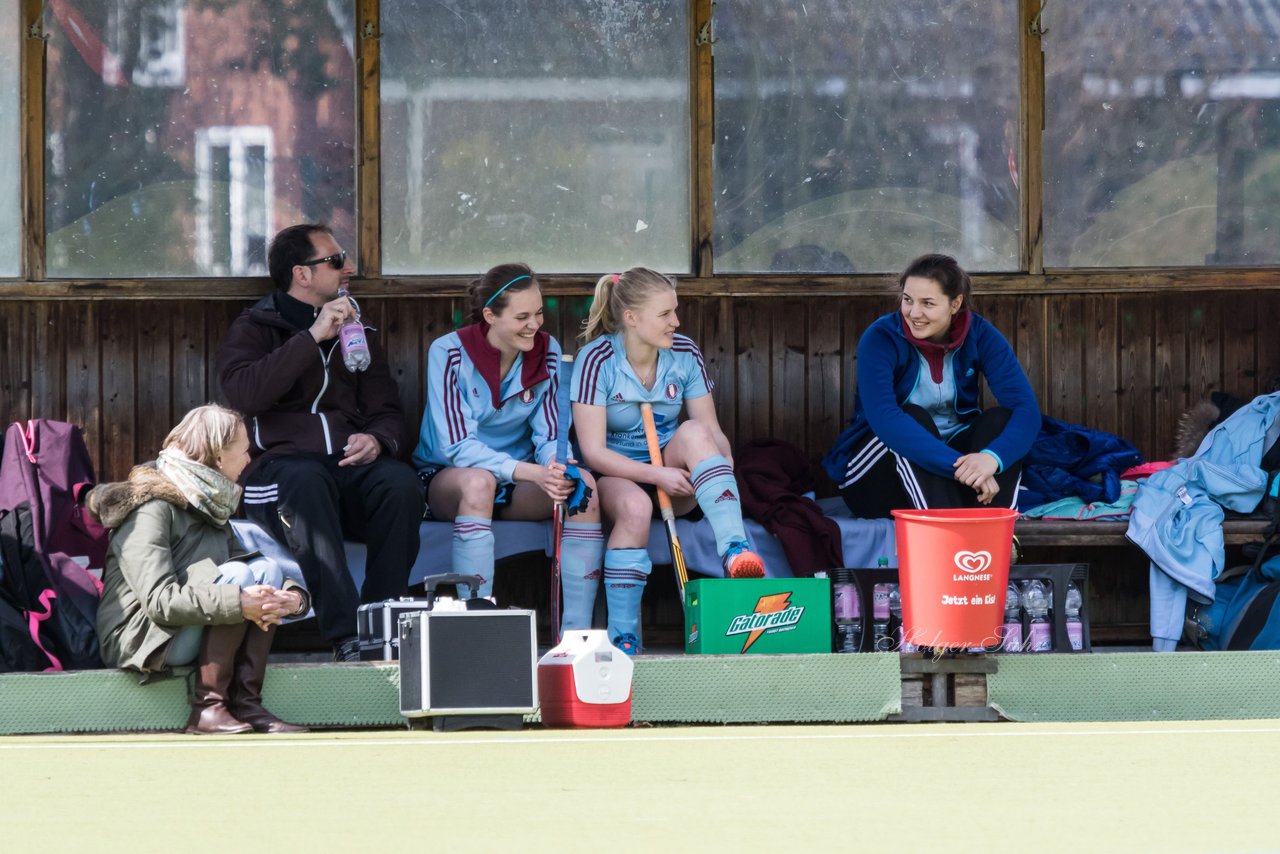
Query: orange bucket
{"x": 954, "y": 568}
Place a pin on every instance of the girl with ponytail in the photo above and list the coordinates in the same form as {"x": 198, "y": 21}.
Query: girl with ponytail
{"x": 633, "y": 355}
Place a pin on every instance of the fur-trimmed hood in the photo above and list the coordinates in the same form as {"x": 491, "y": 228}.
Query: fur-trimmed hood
{"x": 111, "y": 503}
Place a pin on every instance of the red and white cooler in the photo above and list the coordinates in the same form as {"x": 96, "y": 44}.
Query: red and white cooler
{"x": 585, "y": 682}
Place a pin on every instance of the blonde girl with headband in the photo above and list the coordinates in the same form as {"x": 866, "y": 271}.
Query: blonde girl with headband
{"x": 488, "y": 441}
{"x": 633, "y": 355}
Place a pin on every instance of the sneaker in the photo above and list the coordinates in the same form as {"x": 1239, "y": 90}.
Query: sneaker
{"x": 741, "y": 562}
{"x": 630, "y": 644}
{"x": 347, "y": 650}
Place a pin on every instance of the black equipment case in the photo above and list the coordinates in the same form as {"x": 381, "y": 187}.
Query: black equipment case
{"x": 377, "y": 623}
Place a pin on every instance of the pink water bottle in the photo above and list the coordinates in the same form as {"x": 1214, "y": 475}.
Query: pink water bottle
{"x": 881, "y": 640}
{"x": 1011, "y": 630}
{"x": 352, "y": 340}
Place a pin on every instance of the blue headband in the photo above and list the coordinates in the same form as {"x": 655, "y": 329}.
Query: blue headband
{"x": 501, "y": 289}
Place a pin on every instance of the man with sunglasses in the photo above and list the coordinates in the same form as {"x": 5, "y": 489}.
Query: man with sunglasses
{"x": 323, "y": 439}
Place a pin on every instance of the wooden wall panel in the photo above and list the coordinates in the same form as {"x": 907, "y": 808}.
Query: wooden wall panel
{"x": 49, "y": 360}
{"x": 719, "y": 348}
{"x": 154, "y": 407}
{"x": 788, "y": 372}
{"x": 1137, "y": 401}
{"x": 1239, "y": 348}
{"x": 117, "y": 356}
{"x": 83, "y": 403}
{"x": 752, "y": 358}
{"x": 1101, "y": 357}
{"x": 15, "y": 364}
{"x": 825, "y": 350}
{"x": 1268, "y": 350}
{"x": 126, "y": 370}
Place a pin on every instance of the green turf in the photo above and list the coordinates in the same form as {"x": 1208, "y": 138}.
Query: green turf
{"x": 1043, "y": 787}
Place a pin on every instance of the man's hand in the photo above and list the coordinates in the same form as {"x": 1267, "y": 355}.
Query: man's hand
{"x": 330, "y": 319}
{"x": 361, "y": 449}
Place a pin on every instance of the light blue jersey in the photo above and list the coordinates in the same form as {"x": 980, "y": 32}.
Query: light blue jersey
{"x": 462, "y": 425}
{"x": 602, "y": 376}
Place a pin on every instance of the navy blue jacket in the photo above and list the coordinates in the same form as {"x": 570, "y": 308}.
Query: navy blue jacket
{"x": 888, "y": 370}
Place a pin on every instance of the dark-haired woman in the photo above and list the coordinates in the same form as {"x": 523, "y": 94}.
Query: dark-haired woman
{"x": 918, "y": 438}
{"x": 488, "y": 440}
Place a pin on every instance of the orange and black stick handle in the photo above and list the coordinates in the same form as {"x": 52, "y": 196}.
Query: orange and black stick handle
{"x": 664, "y": 502}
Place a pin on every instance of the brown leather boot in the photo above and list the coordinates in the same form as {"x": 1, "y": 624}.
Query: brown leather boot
{"x": 246, "y": 684}
{"x": 209, "y": 714}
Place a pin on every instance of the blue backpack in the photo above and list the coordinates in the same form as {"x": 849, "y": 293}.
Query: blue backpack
{"x": 1245, "y": 613}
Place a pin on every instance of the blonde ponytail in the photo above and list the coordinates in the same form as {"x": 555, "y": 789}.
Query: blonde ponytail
{"x": 617, "y": 292}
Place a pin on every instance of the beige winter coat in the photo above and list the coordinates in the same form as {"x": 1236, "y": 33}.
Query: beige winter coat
{"x": 161, "y": 566}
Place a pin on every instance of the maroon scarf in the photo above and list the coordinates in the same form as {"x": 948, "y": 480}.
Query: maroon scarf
{"x": 488, "y": 360}
{"x": 934, "y": 353}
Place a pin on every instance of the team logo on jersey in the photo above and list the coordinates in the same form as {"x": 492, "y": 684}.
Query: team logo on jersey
{"x": 773, "y": 613}
{"x": 727, "y": 495}
{"x": 475, "y": 392}
{"x": 617, "y": 397}
{"x": 526, "y": 396}
{"x": 672, "y": 391}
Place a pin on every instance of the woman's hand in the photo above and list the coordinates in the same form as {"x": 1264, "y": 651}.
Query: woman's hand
{"x": 265, "y": 606}
{"x": 672, "y": 481}
{"x": 552, "y": 481}
{"x": 987, "y": 490}
{"x": 974, "y": 469}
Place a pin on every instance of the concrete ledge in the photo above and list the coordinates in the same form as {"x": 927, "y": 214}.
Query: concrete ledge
{"x": 1137, "y": 686}
{"x": 677, "y": 689}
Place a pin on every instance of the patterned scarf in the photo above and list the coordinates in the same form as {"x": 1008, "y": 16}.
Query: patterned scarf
{"x": 208, "y": 490}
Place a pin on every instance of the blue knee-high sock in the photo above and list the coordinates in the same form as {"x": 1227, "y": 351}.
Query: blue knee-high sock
{"x": 717, "y": 493}
{"x": 625, "y": 574}
{"x": 473, "y": 550}
{"x": 581, "y": 555}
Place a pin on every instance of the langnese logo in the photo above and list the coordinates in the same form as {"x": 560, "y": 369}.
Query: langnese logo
{"x": 773, "y": 613}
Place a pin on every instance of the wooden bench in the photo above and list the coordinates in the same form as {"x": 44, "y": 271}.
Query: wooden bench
{"x": 1046, "y": 532}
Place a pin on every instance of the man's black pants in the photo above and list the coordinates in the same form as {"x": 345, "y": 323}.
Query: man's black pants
{"x": 311, "y": 504}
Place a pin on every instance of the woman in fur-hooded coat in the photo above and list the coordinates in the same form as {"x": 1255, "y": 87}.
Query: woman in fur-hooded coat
{"x": 177, "y": 588}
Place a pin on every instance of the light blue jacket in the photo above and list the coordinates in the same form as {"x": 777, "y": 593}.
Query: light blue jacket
{"x": 1177, "y": 515}
{"x": 462, "y": 427}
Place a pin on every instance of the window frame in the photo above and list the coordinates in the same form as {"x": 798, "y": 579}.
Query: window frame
{"x": 1032, "y": 277}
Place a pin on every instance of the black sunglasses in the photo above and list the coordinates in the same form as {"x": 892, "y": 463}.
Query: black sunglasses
{"x": 337, "y": 261}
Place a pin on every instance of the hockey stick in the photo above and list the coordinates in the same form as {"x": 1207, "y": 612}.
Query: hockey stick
{"x": 564, "y": 417}
{"x": 664, "y": 502}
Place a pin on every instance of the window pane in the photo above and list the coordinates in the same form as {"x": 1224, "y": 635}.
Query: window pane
{"x": 555, "y": 133}
{"x": 10, "y": 145}
{"x": 1162, "y": 138}
{"x": 182, "y": 133}
{"x": 855, "y": 136}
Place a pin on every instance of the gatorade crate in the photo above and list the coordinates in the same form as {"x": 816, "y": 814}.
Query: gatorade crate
{"x": 1057, "y": 574}
{"x": 757, "y": 615}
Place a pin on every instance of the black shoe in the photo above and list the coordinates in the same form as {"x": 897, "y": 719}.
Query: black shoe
{"x": 347, "y": 650}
